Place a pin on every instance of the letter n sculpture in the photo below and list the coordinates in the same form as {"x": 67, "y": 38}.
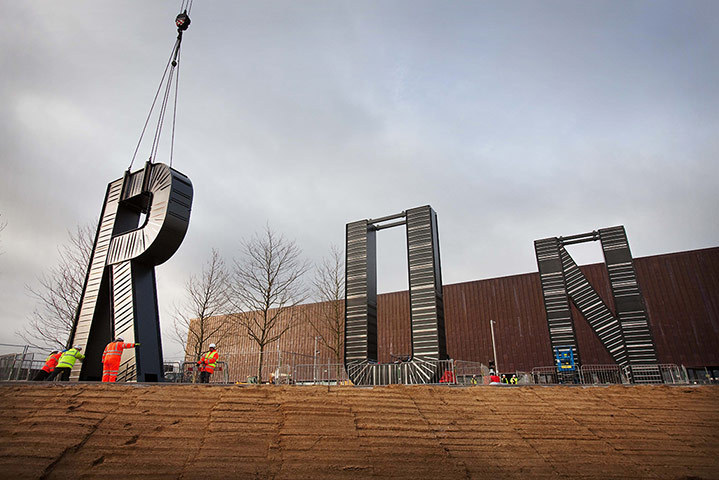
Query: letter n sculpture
{"x": 425, "y": 296}
{"x": 143, "y": 222}
{"x": 625, "y": 334}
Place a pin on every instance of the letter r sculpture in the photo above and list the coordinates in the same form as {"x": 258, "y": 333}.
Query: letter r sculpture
{"x": 143, "y": 222}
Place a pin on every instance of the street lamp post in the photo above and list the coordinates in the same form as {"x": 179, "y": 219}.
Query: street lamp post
{"x": 494, "y": 347}
{"x": 314, "y": 368}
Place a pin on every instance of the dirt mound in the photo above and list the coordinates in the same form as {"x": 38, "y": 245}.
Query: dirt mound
{"x": 192, "y": 431}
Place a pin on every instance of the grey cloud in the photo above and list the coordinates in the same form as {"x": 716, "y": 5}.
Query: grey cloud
{"x": 516, "y": 121}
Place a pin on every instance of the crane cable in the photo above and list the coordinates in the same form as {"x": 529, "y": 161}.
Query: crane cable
{"x": 182, "y": 21}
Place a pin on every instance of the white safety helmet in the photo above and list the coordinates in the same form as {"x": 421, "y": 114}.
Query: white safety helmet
{"x": 119, "y": 339}
{"x": 77, "y": 347}
{"x": 212, "y": 345}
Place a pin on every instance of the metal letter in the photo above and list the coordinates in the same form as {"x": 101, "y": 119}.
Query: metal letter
{"x": 626, "y": 335}
{"x": 120, "y": 297}
{"x": 426, "y": 301}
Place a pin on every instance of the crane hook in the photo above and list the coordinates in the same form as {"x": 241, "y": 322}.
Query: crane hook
{"x": 182, "y": 21}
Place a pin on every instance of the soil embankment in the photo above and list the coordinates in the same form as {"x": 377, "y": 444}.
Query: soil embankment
{"x": 201, "y": 432}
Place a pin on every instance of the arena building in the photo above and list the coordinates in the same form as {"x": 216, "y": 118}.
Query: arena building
{"x": 681, "y": 294}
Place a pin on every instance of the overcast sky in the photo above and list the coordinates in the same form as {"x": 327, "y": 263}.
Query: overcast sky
{"x": 514, "y": 120}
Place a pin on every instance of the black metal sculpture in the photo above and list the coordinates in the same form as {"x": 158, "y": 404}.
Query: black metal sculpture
{"x": 626, "y": 335}
{"x": 426, "y": 301}
{"x": 120, "y": 297}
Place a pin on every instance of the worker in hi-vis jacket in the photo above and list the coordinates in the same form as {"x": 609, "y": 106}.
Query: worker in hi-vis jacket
{"x": 207, "y": 364}
{"x": 111, "y": 358}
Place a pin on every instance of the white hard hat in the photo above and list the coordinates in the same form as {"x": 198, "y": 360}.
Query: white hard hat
{"x": 212, "y": 345}
{"x": 119, "y": 339}
{"x": 77, "y": 347}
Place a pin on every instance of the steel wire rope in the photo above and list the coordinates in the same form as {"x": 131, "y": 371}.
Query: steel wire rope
{"x": 152, "y": 107}
{"x": 163, "y": 107}
{"x": 172, "y": 64}
{"x": 174, "y": 110}
{"x": 186, "y": 5}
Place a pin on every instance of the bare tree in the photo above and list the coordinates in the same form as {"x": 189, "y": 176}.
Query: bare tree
{"x": 329, "y": 284}
{"x": 196, "y": 323}
{"x": 267, "y": 285}
{"x": 59, "y": 291}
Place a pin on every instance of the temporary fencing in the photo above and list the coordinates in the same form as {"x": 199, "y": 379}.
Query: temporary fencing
{"x": 313, "y": 374}
{"x": 523, "y": 378}
{"x": 612, "y": 374}
{"x": 601, "y": 374}
{"x": 276, "y": 365}
{"x": 471, "y": 373}
{"x": 407, "y": 373}
{"x": 673, "y": 373}
{"x": 191, "y": 373}
{"x": 22, "y": 364}
{"x": 173, "y": 371}
{"x": 545, "y": 375}
{"x": 17, "y": 367}
{"x": 702, "y": 375}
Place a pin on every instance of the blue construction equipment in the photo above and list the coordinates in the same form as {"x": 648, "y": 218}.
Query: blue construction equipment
{"x": 564, "y": 358}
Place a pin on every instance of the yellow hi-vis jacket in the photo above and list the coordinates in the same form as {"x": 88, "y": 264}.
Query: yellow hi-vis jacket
{"x": 208, "y": 362}
{"x": 68, "y": 358}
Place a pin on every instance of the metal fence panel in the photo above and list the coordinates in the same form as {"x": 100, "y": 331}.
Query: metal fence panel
{"x": 191, "y": 373}
{"x": 673, "y": 374}
{"x": 324, "y": 374}
{"x": 601, "y": 374}
{"x": 644, "y": 373}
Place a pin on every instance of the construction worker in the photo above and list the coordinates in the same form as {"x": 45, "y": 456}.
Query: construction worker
{"x": 207, "y": 364}
{"x": 448, "y": 377}
{"x": 65, "y": 363}
{"x": 493, "y": 378}
{"x": 111, "y": 358}
{"x": 50, "y": 364}
{"x": 504, "y": 379}
{"x": 513, "y": 380}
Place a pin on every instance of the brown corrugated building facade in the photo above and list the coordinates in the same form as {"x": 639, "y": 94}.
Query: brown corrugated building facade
{"x": 681, "y": 292}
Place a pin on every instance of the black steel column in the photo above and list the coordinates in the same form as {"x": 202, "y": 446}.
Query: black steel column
{"x": 556, "y": 297}
{"x": 425, "y": 289}
{"x": 628, "y": 298}
{"x": 361, "y": 293}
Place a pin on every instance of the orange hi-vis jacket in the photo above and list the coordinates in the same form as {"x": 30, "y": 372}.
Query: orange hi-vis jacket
{"x": 208, "y": 362}
{"x": 51, "y": 362}
{"x": 113, "y": 352}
